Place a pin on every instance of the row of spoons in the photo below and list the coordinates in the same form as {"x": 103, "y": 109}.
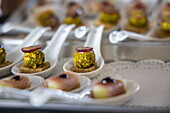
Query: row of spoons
{"x": 52, "y": 53}
{"x": 53, "y": 49}
{"x": 56, "y": 43}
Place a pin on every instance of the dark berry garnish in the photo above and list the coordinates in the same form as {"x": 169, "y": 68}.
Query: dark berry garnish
{"x": 17, "y": 77}
{"x": 84, "y": 49}
{"x": 31, "y": 48}
{"x": 64, "y": 75}
{"x": 108, "y": 80}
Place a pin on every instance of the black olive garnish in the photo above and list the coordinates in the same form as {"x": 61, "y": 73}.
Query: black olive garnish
{"x": 108, "y": 80}
{"x": 16, "y": 78}
{"x": 64, "y": 75}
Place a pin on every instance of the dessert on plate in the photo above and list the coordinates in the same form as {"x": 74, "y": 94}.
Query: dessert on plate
{"x": 84, "y": 60}
{"x": 74, "y": 14}
{"x": 3, "y": 61}
{"x": 163, "y": 29}
{"x": 109, "y": 15}
{"x": 34, "y": 60}
{"x": 66, "y": 81}
{"x": 107, "y": 88}
{"x": 17, "y": 81}
{"x": 137, "y": 18}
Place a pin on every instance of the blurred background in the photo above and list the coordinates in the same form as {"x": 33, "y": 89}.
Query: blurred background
{"x": 8, "y": 7}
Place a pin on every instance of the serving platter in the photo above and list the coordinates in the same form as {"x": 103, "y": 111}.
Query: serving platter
{"x": 153, "y": 77}
{"x": 152, "y": 96}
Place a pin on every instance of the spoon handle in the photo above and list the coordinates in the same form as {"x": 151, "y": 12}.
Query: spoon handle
{"x": 53, "y": 48}
{"x": 135, "y": 35}
{"x": 9, "y": 26}
{"x": 39, "y": 96}
{"x": 14, "y": 93}
{"x": 94, "y": 39}
{"x": 42, "y": 95}
{"x": 28, "y": 41}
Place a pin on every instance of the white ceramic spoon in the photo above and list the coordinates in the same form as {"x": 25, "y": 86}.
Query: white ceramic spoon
{"x": 19, "y": 28}
{"x": 16, "y": 54}
{"x": 81, "y": 31}
{"x": 41, "y": 95}
{"x": 118, "y": 36}
{"x": 9, "y": 26}
{"x": 9, "y": 92}
{"x": 51, "y": 51}
{"x": 93, "y": 40}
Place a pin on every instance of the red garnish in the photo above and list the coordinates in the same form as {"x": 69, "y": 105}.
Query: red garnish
{"x": 84, "y": 49}
{"x": 31, "y": 49}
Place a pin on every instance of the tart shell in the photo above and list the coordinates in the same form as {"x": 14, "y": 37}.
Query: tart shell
{"x": 25, "y": 69}
{"x": 82, "y": 70}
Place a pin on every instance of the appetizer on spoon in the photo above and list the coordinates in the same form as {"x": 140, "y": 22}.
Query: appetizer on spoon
{"x": 39, "y": 67}
{"x": 15, "y": 55}
{"x": 19, "y": 86}
{"x": 88, "y": 60}
{"x": 34, "y": 60}
{"x": 65, "y": 82}
{"x": 3, "y": 61}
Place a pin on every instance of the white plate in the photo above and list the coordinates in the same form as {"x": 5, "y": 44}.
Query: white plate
{"x": 8, "y": 92}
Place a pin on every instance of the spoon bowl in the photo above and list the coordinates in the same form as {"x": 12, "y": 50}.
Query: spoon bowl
{"x": 93, "y": 40}
{"x": 15, "y": 55}
{"x": 118, "y": 36}
{"x": 70, "y": 64}
{"x": 51, "y": 51}
{"x": 81, "y": 31}
{"x": 10, "y": 92}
